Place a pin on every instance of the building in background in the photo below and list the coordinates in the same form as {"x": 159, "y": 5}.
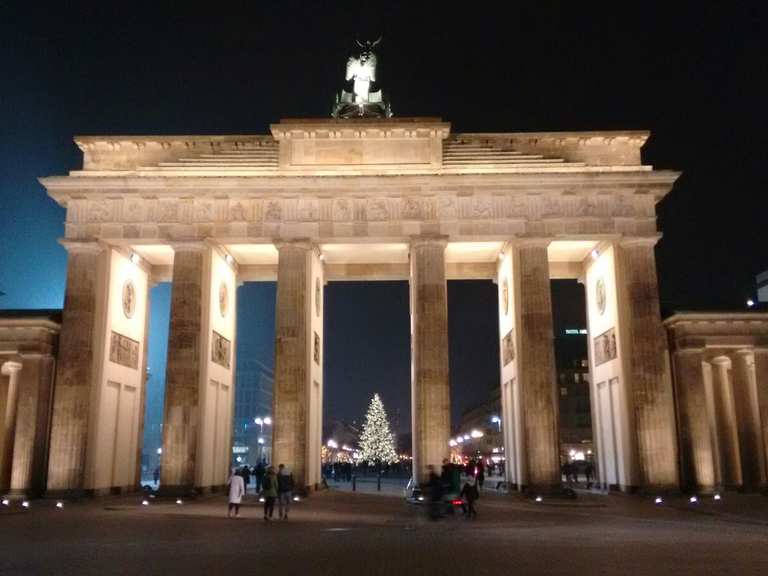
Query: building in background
{"x": 252, "y": 438}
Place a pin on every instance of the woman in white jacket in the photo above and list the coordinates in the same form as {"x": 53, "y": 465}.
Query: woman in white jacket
{"x": 236, "y": 493}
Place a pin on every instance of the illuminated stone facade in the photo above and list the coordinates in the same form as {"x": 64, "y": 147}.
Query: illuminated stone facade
{"x": 320, "y": 201}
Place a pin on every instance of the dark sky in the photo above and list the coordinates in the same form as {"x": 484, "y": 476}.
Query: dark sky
{"x": 693, "y": 74}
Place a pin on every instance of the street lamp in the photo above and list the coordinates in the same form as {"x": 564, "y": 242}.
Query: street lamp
{"x": 496, "y": 420}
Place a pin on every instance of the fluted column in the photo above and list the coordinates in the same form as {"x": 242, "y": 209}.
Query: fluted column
{"x": 32, "y": 421}
{"x": 10, "y": 369}
{"x": 538, "y": 381}
{"x": 74, "y": 372}
{"x": 748, "y": 420}
{"x": 649, "y": 377}
{"x": 182, "y": 387}
{"x": 292, "y": 357}
{"x": 695, "y": 438}
{"x": 430, "y": 390}
{"x": 761, "y": 389}
{"x": 725, "y": 415}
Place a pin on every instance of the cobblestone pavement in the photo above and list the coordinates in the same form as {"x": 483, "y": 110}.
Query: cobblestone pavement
{"x": 340, "y": 533}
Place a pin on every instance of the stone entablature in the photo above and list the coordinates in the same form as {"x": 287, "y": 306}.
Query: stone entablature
{"x": 717, "y": 330}
{"x": 461, "y": 211}
{"x": 360, "y": 180}
{"x": 27, "y": 332}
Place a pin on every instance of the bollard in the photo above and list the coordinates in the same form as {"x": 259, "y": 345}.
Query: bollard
{"x": 354, "y": 482}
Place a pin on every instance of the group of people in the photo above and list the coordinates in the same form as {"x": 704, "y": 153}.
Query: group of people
{"x": 570, "y": 470}
{"x": 271, "y": 485}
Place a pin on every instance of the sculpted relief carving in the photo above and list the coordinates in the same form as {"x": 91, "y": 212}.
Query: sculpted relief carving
{"x": 615, "y": 211}
{"x": 377, "y": 209}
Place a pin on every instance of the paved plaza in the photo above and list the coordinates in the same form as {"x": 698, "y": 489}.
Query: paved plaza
{"x": 343, "y": 533}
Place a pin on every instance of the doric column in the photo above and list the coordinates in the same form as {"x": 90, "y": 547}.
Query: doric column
{"x": 297, "y": 393}
{"x": 695, "y": 438}
{"x": 748, "y": 420}
{"x": 10, "y": 369}
{"x": 536, "y": 368}
{"x": 182, "y": 387}
{"x": 725, "y": 416}
{"x": 32, "y": 425}
{"x": 761, "y": 387}
{"x": 430, "y": 391}
{"x": 650, "y": 381}
{"x": 74, "y": 373}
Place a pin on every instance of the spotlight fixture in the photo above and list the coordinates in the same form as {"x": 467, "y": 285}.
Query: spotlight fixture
{"x": 595, "y": 254}
{"x": 539, "y": 499}
{"x": 59, "y": 505}
{"x": 6, "y": 502}
{"x": 25, "y": 504}
{"x": 693, "y": 499}
{"x": 718, "y": 497}
{"x": 659, "y": 500}
{"x": 750, "y": 303}
{"x": 135, "y": 258}
{"x": 178, "y": 501}
{"x": 228, "y": 258}
{"x": 145, "y": 502}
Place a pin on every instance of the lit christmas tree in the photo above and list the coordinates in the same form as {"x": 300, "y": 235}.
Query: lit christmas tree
{"x": 377, "y": 444}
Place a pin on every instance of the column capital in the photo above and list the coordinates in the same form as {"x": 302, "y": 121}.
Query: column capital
{"x": 11, "y": 367}
{"x": 429, "y": 239}
{"x": 297, "y": 243}
{"x": 189, "y": 246}
{"x": 531, "y": 242}
{"x": 744, "y": 352}
{"x": 79, "y": 247}
{"x": 632, "y": 241}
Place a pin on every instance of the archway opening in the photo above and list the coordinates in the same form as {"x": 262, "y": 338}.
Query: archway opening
{"x": 367, "y": 351}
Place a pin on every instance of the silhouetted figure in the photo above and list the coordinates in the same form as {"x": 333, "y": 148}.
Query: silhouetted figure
{"x": 269, "y": 492}
{"x": 435, "y": 489}
{"x": 284, "y": 491}
{"x": 469, "y": 495}
{"x": 258, "y": 472}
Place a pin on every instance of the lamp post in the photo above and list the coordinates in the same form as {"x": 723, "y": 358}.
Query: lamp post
{"x": 496, "y": 420}
{"x": 265, "y": 421}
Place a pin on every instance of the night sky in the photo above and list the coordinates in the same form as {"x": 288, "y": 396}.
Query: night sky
{"x": 692, "y": 74}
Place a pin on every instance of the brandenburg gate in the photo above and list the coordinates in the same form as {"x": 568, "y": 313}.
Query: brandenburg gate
{"x": 328, "y": 200}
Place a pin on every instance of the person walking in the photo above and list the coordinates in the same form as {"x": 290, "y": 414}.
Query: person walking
{"x": 259, "y": 472}
{"x": 469, "y": 494}
{"x": 269, "y": 492}
{"x": 236, "y": 492}
{"x": 245, "y": 472}
{"x": 284, "y": 491}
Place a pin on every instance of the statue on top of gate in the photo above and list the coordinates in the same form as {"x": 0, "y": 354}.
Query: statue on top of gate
{"x": 363, "y": 101}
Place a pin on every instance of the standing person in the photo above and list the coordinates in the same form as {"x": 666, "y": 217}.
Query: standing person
{"x": 259, "y": 474}
{"x": 269, "y": 491}
{"x": 284, "y": 491}
{"x": 469, "y": 494}
{"x": 588, "y": 470}
{"x": 245, "y": 472}
{"x": 435, "y": 487}
{"x": 480, "y": 474}
{"x": 156, "y": 476}
{"x": 236, "y": 492}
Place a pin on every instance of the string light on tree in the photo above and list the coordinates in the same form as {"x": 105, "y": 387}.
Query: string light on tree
{"x": 377, "y": 444}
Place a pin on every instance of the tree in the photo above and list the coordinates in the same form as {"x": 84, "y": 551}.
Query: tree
{"x": 377, "y": 444}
